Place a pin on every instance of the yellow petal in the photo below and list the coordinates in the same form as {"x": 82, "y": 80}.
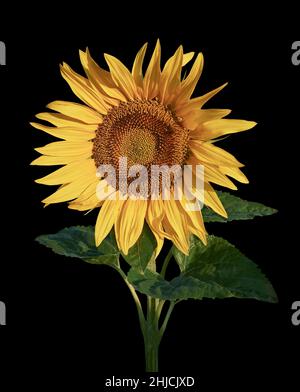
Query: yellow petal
{"x": 212, "y": 200}
{"x": 175, "y": 225}
{"x": 77, "y": 111}
{"x": 180, "y": 244}
{"x": 217, "y": 128}
{"x": 95, "y": 73}
{"x": 89, "y": 191}
{"x": 207, "y": 152}
{"x": 121, "y": 76}
{"x": 170, "y": 77}
{"x": 235, "y": 173}
{"x": 213, "y": 174}
{"x": 194, "y": 220}
{"x": 194, "y": 119}
{"x": 86, "y": 205}
{"x": 100, "y": 78}
{"x": 155, "y": 214}
{"x": 60, "y": 120}
{"x": 188, "y": 85}
{"x": 68, "y": 173}
{"x": 82, "y": 88}
{"x": 154, "y": 217}
{"x": 152, "y": 75}
{"x": 45, "y": 160}
{"x": 197, "y": 103}
{"x": 67, "y": 149}
{"x": 69, "y": 191}
{"x": 187, "y": 57}
{"x": 114, "y": 93}
{"x": 88, "y": 199}
{"x": 87, "y": 132}
{"x": 130, "y": 223}
{"x": 106, "y": 218}
{"x": 137, "y": 68}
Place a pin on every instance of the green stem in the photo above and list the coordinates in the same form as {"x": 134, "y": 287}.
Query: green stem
{"x": 153, "y": 334}
{"x": 136, "y": 300}
{"x": 151, "y": 337}
{"x": 150, "y": 326}
{"x": 166, "y": 320}
{"x": 159, "y": 309}
{"x": 166, "y": 263}
{"x": 151, "y": 353}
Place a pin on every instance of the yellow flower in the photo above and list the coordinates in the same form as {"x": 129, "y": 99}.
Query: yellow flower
{"x": 150, "y": 119}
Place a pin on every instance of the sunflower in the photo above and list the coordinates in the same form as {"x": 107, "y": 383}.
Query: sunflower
{"x": 150, "y": 119}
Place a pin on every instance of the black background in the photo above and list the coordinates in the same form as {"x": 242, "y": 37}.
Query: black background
{"x": 78, "y": 320}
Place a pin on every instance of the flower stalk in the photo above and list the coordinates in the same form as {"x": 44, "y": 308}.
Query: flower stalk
{"x": 152, "y": 329}
{"x": 153, "y": 333}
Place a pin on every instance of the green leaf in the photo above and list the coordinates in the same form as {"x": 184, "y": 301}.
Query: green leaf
{"x": 217, "y": 270}
{"x": 140, "y": 254}
{"x": 79, "y": 242}
{"x": 237, "y": 209}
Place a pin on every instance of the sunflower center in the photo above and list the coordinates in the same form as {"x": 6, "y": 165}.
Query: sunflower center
{"x": 138, "y": 145}
{"x": 143, "y": 131}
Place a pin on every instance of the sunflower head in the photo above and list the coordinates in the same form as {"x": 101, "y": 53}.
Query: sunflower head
{"x": 147, "y": 120}
{"x": 144, "y": 132}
